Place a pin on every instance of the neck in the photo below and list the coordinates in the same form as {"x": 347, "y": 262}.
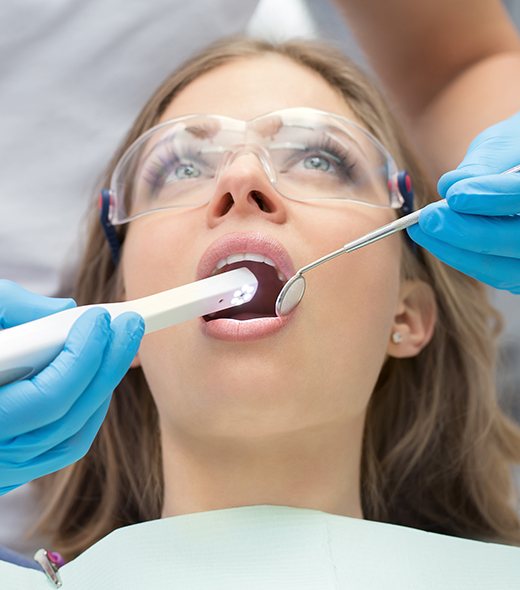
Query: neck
{"x": 318, "y": 469}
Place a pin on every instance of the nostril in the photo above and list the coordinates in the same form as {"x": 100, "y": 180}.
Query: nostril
{"x": 260, "y": 200}
{"x": 225, "y": 204}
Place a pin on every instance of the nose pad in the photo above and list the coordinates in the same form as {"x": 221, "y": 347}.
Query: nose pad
{"x": 255, "y": 154}
{"x": 245, "y": 185}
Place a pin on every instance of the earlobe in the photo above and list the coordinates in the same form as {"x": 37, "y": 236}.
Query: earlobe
{"x": 414, "y": 321}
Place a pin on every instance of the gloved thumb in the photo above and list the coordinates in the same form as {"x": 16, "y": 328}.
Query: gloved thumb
{"x": 17, "y": 305}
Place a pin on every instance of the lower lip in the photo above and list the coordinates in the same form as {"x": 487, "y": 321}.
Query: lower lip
{"x": 240, "y": 331}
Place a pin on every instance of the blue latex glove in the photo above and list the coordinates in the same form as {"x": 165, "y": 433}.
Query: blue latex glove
{"x": 50, "y": 420}
{"x": 476, "y": 229}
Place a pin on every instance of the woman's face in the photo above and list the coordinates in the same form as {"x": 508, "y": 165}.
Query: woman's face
{"x": 319, "y": 367}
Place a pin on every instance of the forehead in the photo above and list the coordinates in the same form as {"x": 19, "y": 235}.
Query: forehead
{"x": 249, "y": 87}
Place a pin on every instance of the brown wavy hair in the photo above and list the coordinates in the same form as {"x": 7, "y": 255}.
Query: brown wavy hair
{"x": 437, "y": 450}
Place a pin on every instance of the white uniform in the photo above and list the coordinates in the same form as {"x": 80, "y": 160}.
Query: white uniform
{"x": 74, "y": 76}
{"x": 75, "y": 73}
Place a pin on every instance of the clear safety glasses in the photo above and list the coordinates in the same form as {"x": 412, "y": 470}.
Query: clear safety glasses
{"x": 307, "y": 155}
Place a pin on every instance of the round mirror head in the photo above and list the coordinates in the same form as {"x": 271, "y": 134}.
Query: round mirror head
{"x": 290, "y": 295}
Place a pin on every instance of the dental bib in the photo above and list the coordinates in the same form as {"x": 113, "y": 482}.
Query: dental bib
{"x": 278, "y": 547}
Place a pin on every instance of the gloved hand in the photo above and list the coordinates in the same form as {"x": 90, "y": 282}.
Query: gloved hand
{"x": 476, "y": 229}
{"x": 50, "y": 420}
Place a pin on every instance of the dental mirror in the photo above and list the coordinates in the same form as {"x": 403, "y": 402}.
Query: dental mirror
{"x": 292, "y": 292}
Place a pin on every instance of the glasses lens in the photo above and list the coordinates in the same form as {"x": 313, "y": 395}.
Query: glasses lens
{"x": 173, "y": 166}
{"x": 312, "y": 156}
{"x": 331, "y": 162}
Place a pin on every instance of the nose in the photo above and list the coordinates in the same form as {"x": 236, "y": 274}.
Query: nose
{"x": 243, "y": 189}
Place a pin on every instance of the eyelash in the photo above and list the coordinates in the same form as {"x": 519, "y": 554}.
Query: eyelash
{"x": 341, "y": 157}
{"x": 160, "y": 167}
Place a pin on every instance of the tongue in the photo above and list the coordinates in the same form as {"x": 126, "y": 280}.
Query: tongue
{"x": 263, "y": 303}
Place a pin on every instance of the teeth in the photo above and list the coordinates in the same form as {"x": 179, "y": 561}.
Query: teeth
{"x": 257, "y": 258}
{"x": 235, "y": 258}
{"x": 232, "y": 258}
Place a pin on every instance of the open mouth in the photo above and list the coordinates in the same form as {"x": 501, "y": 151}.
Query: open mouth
{"x": 270, "y": 283}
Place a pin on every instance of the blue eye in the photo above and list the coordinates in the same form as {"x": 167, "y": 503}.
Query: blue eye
{"x": 317, "y": 163}
{"x": 184, "y": 171}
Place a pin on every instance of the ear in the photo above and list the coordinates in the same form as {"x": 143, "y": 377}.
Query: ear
{"x": 415, "y": 319}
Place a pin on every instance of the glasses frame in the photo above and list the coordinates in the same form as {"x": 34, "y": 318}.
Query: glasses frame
{"x": 399, "y": 183}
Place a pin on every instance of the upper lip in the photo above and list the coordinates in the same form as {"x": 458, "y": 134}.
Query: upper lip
{"x": 251, "y": 242}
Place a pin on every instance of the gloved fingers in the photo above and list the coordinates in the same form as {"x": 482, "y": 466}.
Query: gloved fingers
{"x": 25, "y": 447}
{"x": 494, "y": 150}
{"x": 497, "y": 271}
{"x": 499, "y": 236}
{"x": 480, "y": 167}
{"x": 32, "y": 403}
{"x": 17, "y": 305}
{"x": 53, "y": 459}
{"x": 127, "y": 331}
{"x": 495, "y": 194}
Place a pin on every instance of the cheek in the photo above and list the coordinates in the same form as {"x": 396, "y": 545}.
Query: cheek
{"x": 358, "y": 297}
{"x": 159, "y": 254}
{"x": 153, "y": 258}
{"x": 353, "y": 320}
{"x": 369, "y": 287}
{"x": 350, "y": 304}
{"x": 362, "y": 284}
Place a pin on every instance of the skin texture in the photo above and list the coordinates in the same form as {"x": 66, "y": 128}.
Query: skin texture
{"x": 277, "y": 420}
{"x": 452, "y": 68}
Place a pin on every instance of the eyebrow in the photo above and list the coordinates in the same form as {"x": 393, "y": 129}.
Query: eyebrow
{"x": 271, "y": 125}
{"x": 204, "y": 130}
